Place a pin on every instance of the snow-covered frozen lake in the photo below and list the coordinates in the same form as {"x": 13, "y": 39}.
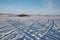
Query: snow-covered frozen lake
{"x": 30, "y": 28}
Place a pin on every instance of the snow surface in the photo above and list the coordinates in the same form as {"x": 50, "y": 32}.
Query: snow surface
{"x": 30, "y": 28}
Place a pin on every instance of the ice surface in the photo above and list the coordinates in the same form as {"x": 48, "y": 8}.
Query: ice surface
{"x": 30, "y": 28}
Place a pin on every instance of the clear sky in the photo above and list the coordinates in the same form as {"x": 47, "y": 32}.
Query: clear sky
{"x": 43, "y": 7}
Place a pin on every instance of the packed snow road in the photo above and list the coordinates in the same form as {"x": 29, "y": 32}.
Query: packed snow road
{"x": 30, "y": 28}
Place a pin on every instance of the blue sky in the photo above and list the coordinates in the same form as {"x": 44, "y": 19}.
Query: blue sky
{"x": 43, "y": 7}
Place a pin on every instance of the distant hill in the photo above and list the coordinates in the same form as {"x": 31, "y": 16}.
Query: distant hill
{"x": 2, "y": 14}
{"x": 23, "y": 15}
